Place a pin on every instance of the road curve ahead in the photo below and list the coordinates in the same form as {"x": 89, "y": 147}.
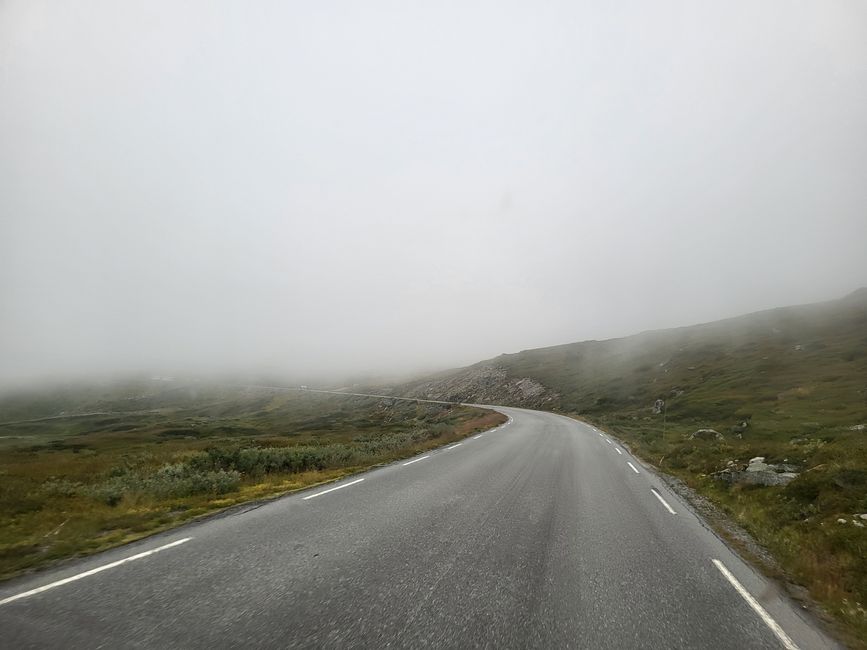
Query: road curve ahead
{"x": 543, "y": 533}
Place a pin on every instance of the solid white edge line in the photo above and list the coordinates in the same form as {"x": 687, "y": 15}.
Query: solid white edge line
{"x": 618, "y": 451}
{"x": 415, "y": 460}
{"x": 663, "y": 501}
{"x": 339, "y": 487}
{"x": 761, "y": 611}
{"x": 85, "y": 574}
{"x": 453, "y": 446}
{"x": 633, "y": 467}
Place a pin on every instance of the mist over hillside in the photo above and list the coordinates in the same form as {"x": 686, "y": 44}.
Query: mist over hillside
{"x": 764, "y": 352}
{"x": 359, "y": 190}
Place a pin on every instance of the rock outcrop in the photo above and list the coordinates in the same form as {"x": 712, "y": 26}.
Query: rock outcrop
{"x": 758, "y": 472}
{"x": 706, "y": 434}
{"x": 485, "y": 384}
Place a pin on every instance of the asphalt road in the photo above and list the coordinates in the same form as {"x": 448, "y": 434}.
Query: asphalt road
{"x": 543, "y": 533}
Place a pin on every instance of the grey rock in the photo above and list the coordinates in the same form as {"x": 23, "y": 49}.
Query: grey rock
{"x": 486, "y": 384}
{"x": 758, "y": 472}
{"x": 767, "y": 477}
{"x": 706, "y": 434}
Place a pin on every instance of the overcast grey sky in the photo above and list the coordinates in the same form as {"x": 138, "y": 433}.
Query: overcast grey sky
{"x": 375, "y": 186}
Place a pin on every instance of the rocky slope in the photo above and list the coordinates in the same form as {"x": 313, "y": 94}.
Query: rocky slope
{"x": 485, "y": 384}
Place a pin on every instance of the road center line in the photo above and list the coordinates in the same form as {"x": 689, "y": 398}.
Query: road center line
{"x": 761, "y": 611}
{"x": 339, "y": 487}
{"x": 415, "y": 460}
{"x": 85, "y": 574}
{"x": 633, "y": 467}
{"x": 618, "y": 451}
{"x": 662, "y": 501}
{"x": 453, "y": 446}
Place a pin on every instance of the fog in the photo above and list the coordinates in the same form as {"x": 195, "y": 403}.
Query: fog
{"x": 343, "y": 187}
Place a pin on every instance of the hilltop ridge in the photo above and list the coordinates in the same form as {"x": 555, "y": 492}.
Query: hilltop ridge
{"x": 763, "y": 349}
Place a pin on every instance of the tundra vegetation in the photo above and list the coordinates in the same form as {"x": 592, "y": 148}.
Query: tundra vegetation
{"x": 787, "y": 384}
{"x": 83, "y": 469}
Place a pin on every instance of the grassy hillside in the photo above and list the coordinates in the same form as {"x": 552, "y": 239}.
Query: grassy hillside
{"x": 85, "y": 468}
{"x": 797, "y": 376}
{"x": 722, "y": 366}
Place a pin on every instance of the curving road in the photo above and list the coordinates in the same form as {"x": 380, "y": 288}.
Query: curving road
{"x": 543, "y": 533}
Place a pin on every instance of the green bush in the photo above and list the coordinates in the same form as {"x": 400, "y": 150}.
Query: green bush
{"x": 169, "y": 481}
{"x": 58, "y": 487}
{"x": 258, "y": 461}
{"x": 219, "y": 470}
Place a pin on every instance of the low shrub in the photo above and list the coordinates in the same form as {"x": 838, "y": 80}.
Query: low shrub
{"x": 169, "y": 481}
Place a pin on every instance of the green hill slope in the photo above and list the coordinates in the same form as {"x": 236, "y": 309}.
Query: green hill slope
{"x": 718, "y": 369}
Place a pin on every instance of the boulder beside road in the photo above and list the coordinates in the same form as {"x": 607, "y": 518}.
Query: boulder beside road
{"x": 758, "y": 472}
{"x": 706, "y": 434}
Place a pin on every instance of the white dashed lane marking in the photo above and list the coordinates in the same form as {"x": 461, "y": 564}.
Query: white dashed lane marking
{"x": 98, "y": 569}
{"x": 339, "y": 487}
{"x": 761, "y": 611}
{"x": 662, "y": 501}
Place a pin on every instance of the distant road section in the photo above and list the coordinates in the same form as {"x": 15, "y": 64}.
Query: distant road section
{"x": 542, "y": 533}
